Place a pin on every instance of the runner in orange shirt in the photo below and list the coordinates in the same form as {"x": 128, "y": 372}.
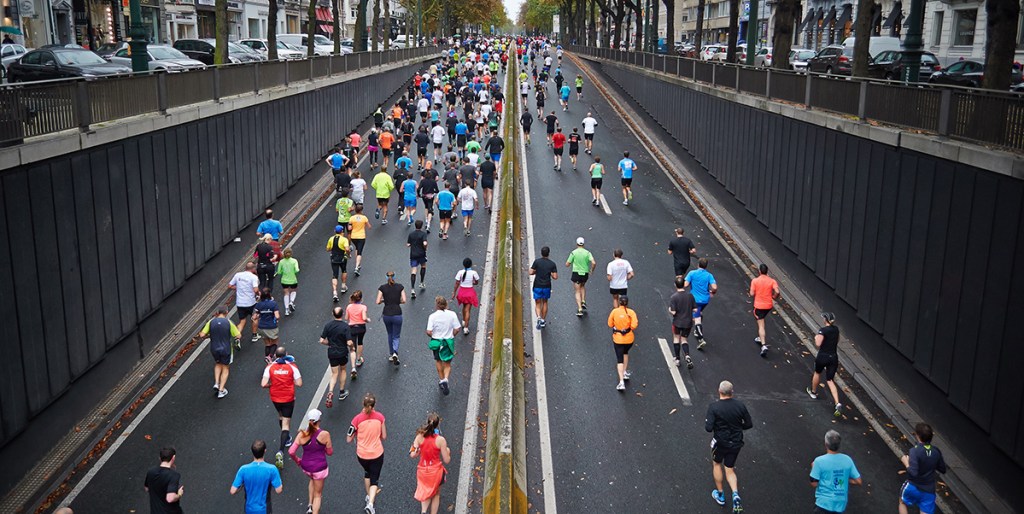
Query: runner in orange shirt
{"x": 763, "y": 290}
{"x": 387, "y": 139}
{"x": 623, "y": 321}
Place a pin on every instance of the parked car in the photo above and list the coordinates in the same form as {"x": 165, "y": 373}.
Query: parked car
{"x": 708, "y": 52}
{"x": 834, "y": 59}
{"x": 1018, "y": 88}
{"x": 202, "y": 50}
{"x": 763, "y": 57}
{"x": 890, "y": 64}
{"x": 107, "y": 49}
{"x": 877, "y": 45}
{"x": 284, "y": 50}
{"x": 968, "y": 74}
{"x": 798, "y": 58}
{"x": 58, "y": 63}
{"x": 8, "y": 54}
{"x": 321, "y": 45}
{"x": 161, "y": 58}
{"x": 402, "y": 41}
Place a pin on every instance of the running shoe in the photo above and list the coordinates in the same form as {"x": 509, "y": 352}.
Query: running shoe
{"x": 764, "y": 350}
{"x": 440, "y": 235}
{"x": 288, "y": 443}
{"x": 718, "y": 496}
{"x": 368, "y": 509}
{"x": 583, "y": 305}
{"x": 293, "y": 307}
{"x": 757, "y": 340}
{"x": 467, "y": 233}
{"x": 279, "y": 460}
{"x": 625, "y": 202}
{"x": 737, "y": 505}
{"x": 394, "y": 359}
{"x": 543, "y": 323}
{"x": 630, "y": 194}
{"x": 309, "y": 509}
{"x": 689, "y": 362}
{"x": 627, "y": 375}
{"x": 384, "y": 221}
{"x": 423, "y": 286}
{"x": 222, "y": 393}
{"x": 359, "y": 362}
{"x": 255, "y": 337}
{"x": 376, "y": 214}
{"x": 336, "y": 299}
{"x": 465, "y": 331}
{"x": 579, "y": 313}
{"x": 621, "y": 386}
{"x": 355, "y": 374}
{"x": 839, "y": 410}
{"x": 676, "y": 361}
{"x": 538, "y": 323}
{"x": 287, "y": 312}
{"x": 701, "y": 344}
{"x": 357, "y": 270}
{"x": 812, "y": 394}
{"x": 216, "y": 386}
{"x": 343, "y": 394}
{"x": 344, "y": 288}
{"x": 330, "y": 400}
{"x": 413, "y": 293}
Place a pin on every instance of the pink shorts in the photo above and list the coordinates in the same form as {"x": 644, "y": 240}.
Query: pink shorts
{"x": 467, "y": 296}
{"x": 317, "y": 475}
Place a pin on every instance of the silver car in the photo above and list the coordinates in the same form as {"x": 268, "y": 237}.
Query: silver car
{"x": 284, "y": 50}
{"x": 9, "y": 53}
{"x": 798, "y": 58}
{"x": 161, "y": 58}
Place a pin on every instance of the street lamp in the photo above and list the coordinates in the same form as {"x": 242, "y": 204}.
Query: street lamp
{"x": 140, "y": 38}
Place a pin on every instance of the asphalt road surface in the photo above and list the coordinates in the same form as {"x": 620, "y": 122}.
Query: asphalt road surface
{"x": 645, "y": 449}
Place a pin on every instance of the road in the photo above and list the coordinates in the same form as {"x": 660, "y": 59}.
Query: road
{"x": 646, "y": 448}
{"x": 213, "y": 436}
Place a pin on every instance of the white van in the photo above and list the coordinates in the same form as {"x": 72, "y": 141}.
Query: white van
{"x": 877, "y": 45}
{"x": 321, "y": 45}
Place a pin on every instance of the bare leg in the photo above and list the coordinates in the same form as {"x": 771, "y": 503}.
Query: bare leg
{"x": 717, "y": 472}
{"x": 730, "y": 476}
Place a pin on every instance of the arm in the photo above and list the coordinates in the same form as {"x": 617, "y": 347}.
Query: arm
{"x": 746, "y": 423}
{"x": 554, "y": 275}
{"x": 403, "y": 296}
{"x": 593, "y": 264}
{"x": 776, "y": 293}
{"x": 630, "y": 275}
{"x": 329, "y": 447}
{"x": 818, "y": 339}
{"x": 383, "y": 431}
{"x": 709, "y": 419}
{"x": 751, "y": 292}
{"x": 380, "y": 297}
{"x": 446, "y": 452}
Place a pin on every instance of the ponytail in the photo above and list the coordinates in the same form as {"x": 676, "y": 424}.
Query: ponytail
{"x": 430, "y": 427}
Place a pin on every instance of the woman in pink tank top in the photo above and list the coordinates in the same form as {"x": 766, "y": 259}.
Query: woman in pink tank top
{"x": 433, "y": 451}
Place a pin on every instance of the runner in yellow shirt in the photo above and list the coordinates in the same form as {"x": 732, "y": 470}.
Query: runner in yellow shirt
{"x": 357, "y": 228}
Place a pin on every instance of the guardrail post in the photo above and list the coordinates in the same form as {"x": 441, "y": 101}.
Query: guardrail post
{"x": 216, "y": 83}
{"x": 287, "y": 65}
{"x": 83, "y": 110}
{"x": 256, "y": 78}
{"x": 738, "y": 74}
{"x": 945, "y": 108}
{"x": 862, "y": 101}
{"x": 309, "y": 62}
{"x": 768, "y": 83}
{"x": 161, "y": 92}
{"x": 807, "y": 89}
{"x": 713, "y": 70}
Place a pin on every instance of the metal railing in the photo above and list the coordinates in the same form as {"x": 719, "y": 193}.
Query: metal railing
{"x": 981, "y": 116}
{"x": 39, "y": 108}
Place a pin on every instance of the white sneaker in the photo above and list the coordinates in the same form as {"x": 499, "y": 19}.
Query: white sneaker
{"x": 222, "y": 393}
{"x": 621, "y": 386}
{"x": 627, "y": 375}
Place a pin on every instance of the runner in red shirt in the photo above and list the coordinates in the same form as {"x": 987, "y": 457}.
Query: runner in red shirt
{"x": 763, "y": 290}
{"x": 281, "y": 377}
{"x": 558, "y": 144}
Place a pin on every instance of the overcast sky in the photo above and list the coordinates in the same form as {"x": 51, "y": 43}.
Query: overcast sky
{"x": 512, "y": 8}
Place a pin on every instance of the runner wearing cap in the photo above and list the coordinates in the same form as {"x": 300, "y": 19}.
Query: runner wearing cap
{"x": 316, "y": 447}
{"x": 581, "y": 263}
{"x": 827, "y": 360}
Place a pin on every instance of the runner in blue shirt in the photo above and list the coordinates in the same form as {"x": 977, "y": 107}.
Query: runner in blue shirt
{"x": 565, "y": 96}
{"x": 336, "y": 160}
{"x": 832, "y": 474}
{"x": 461, "y": 129}
{"x": 404, "y": 162}
{"x": 626, "y": 167}
{"x": 269, "y": 226}
{"x": 257, "y": 477}
{"x": 702, "y": 286}
{"x": 445, "y": 204}
{"x": 408, "y": 190}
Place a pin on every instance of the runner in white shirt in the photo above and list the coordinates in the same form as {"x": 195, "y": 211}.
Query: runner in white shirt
{"x": 438, "y": 97}
{"x": 247, "y": 288}
{"x": 589, "y": 126}
{"x": 423, "y": 106}
{"x": 468, "y": 199}
{"x": 465, "y": 291}
{"x": 619, "y": 272}
{"x": 441, "y": 327}
{"x": 485, "y": 110}
{"x": 483, "y": 96}
{"x": 437, "y": 137}
{"x": 524, "y": 89}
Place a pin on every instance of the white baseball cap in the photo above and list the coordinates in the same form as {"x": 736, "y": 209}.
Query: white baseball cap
{"x": 579, "y": 241}
{"x": 314, "y": 415}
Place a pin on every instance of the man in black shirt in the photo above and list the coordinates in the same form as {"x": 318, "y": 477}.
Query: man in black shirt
{"x": 467, "y": 173}
{"x": 574, "y": 146}
{"x": 526, "y": 120}
{"x": 337, "y": 337}
{"x": 683, "y": 307}
{"x": 827, "y": 360}
{"x": 417, "y": 243}
{"x": 163, "y": 484}
{"x": 427, "y": 191}
{"x": 727, "y": 419}
{"x": 544, "y": 271}
{"x": 552, "y": 122}
{"x": 681, "y": 248}
{"x": 266, "y": 262}
{"x": 488, "y": 172}
{"x": 422, "y": 142}
{"x": 494, "y": 146}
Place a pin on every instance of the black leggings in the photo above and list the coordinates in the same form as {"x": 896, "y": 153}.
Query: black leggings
{"x": 621, "y": 350}
{"x": 357, "y": 334}
{"x": 266, "y": 275}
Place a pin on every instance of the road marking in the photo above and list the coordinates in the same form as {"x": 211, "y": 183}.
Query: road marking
{"x": 604, "y": 205}
{"x": 317, "y": 395}
{"x": 543, "y": 426}
{"x": 674, "y": 371}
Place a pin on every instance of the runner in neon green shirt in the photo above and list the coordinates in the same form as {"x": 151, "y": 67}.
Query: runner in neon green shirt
{"x": 582, "y": 263}
{"x": 288, "y": 270}
{"x": 344, "y": 206}
{"x": 382, "y": 185}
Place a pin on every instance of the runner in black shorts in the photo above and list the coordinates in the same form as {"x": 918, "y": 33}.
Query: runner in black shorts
{"x": 574, "y": 146}
{"x": 726, "y": 418}
{"x": 827, "y": 360}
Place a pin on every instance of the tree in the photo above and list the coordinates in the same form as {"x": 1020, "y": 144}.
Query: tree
{"x": 272, "y": 31}
{"x": 862, "y": 45}
{"x": 620, "y": 15}
{"x": 1002, "y": 38}
{"x": 220, "y": 55}
{"x": 734, "y": 29}
{"x": 359, "y": 45}
{"x": 310, "y": 27}
{"x": 387, "y": 24}
{"x": 638, "y": 16}
{"x": 782, "y": 40}
{"x": 699, "y": 35}
{"x": 375, "y": 30}
{"x": 336, "y": 34}
{"x": 670, "y": 29}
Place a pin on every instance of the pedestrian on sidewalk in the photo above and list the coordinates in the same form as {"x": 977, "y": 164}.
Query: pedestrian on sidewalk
{"x": 831, "y": 476}
{"x": 442, "y": 324}
{"x": 369, "y": 432}
{"x": 922, "y": 463}
{"x": 223, "y": 340}
{"x": 763, "y": 290}
{"x": 827, "y": 360}
{"x": 726, "y": 418}
{"x": 288, "y": 270}
{"x": 433, "y": 451}
{"x": 627, "y": 167}
{"x": 581, "y": 263}
{"x": 257, "y": 478}
{"x": 316, "y": 447}
{"x": 356, "y": 315}
{"x": 544, "y": 270}
{"x": 619, "y": 271}
{"x": 702, "y": 285}
{"x": 247, "y": 289}
{"x": 681, "y": 248}
{"x": 337, "y": 337}
{"x": 623, "y": 321}
{"x": 281, "y": 378}
{"x": 266, "y": 317}
{"x": 338, "y": 246}
{"x": 464, "y": 292}
{"x": 163, "y": 483}
{"x": 682, "y": 307}
{"x": 392, "y": 295}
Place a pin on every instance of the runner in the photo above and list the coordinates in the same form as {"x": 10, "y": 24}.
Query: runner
{"x": 564, "y": 91}
{"x": 223, "y": 337}
{"x": 544, "y": 270}
{"x": 270, "y": 226}
{"x": 726, "y": 418}
{"x": 358, "y": 226}
{"x": 473, "y": 152}
{"x": 582, "y": 264}
{"x": 552, "y": 123}
{"x": 488, "y": 172}
{"x": 539, "y": 97}
{"x": 356, "y": 314}
{"x": 392, "y": 295}
{"x": 163, "y": 483}
{"x": 619, "y": 272}
{"x": 369, "y": 432}
{"x": 408, "y": 190}
{"x": 432, "y": 449}
{"x": 682, "y": 307}
{"x": 316, "y": 447}
{"x": 461, "y": 135}
{"x": 623, "y": 322}
{"x": 373, "y": 145}
{"x": 427, "y": 191}
{"x": 246, "y": 286}
{"x": 827, "y": 360}
{"x": 526, "y": 121}
{"x": 445, "y": 204}
{"x": 589, "y": 128}
{"x": 702, "y": 286}
{"x": 524, "y": 88}
{"x": 437, "y": 137}
{"x": 922, "y": 463}
{"x": 417, "y": 243}
{"x": 465, "y": 291}
{"x": 626, "y": 168}
{"x": 574, "y": 146}
{"x": 266, "y": 261}
{"x": 763, "y": 290}
{"x": 257, "y": 478}
{"x": 288, "y": 270}
{"x": 344, "y": 207}
{"x": 337, "y": 337}
{"x": 338, "y": 246}
{"x": 382, "y": 185}
{"x": 281, "y": 377}
{"x": 494, "y": 146}
{"x": 558, "y": 146}
{"x": 387, "y": 140}
{"x": 358, "y": 185}
{"x": 441, "y": 328}
{"x": 336, "y": 160}
{"x": 468, "y": 203}
{"x": 579, "y": 87}
{"x": 596, "y": 179}
{"x": 422, "y": 142}
{"x": 831, "y": 476}
{"x": 681, "y": 248}
{"x": 266, "y": 316}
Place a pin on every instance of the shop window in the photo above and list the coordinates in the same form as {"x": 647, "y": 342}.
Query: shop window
{"x": 963, "y": 27}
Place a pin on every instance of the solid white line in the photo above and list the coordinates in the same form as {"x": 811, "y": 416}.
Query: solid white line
{"x": 468, "y": 458}
{"x": 317, "y": 395}
{"x": 674, "y": 371}
{"x": 543, "y": 425}
{"x": 604, "y": 205}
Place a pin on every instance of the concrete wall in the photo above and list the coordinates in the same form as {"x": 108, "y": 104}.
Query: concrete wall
{"x": 924, "y": 248}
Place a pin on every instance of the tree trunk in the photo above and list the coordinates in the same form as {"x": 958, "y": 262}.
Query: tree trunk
{"x": 782, "y": 40}
{"x": 310, "y": 28}
{"x": 272, "y": 31}
{"x": 221, "y": 32}
{"x": 592, "y": 28}
{"x": 359, "y": 45}
{"x": 670, "y": 28}
{"x": 387, "y": 24}
{"x": 861, "y": 45}
{"x": 336, "y": 35}
{"x": 699, "y": 34}
{"x": 637, "y": 19}
{"x": 620, "y": 14}
{"x": 734, "y": 29}
{"x": 375, "y": 31}
{"x": 1001, "y": 27}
